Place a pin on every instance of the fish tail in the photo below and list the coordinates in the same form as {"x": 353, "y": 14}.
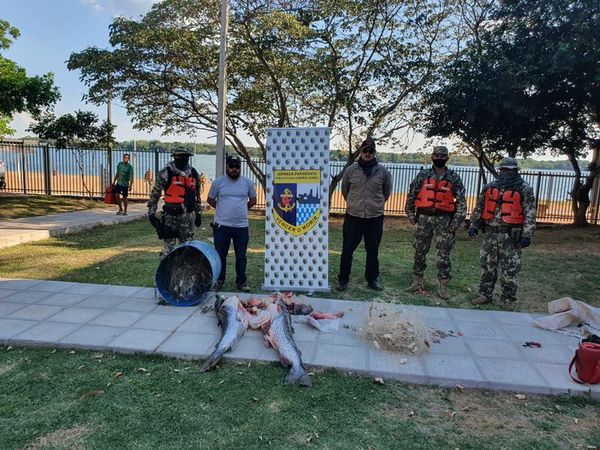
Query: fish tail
{"x": 300, "y": 375}
{"x": 212, "y": 360}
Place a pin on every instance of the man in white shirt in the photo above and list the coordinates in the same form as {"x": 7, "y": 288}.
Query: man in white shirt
{"x": 232, "y": 196}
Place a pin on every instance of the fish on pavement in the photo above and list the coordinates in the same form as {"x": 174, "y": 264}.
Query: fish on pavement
{"x": 279, "y": 335}
{"x": 233, "y": 320}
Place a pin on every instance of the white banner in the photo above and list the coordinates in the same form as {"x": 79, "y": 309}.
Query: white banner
{"x": 297, "y": 212}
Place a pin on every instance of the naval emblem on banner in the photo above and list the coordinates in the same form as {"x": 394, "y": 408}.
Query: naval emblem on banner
{"x": 296, "y": 199}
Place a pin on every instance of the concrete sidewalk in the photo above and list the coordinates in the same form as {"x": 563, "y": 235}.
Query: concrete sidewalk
{"x": 19, "y": 231}
{"x": 488, "y": 352}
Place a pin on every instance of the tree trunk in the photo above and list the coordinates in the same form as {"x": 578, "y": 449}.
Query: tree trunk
{"x": 580, "y": 194}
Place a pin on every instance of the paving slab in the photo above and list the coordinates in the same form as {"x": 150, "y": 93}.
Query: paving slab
{"x": 63, "y": 299}
{"x": 27, "y": 297}
{"x": 144, "y": 341}
{"x": 12, "y": 327}
{"x": 117, "y": 318}
{"x": 484, "y": 349}
{"x": 163, "y": 322}
{"x": 187, "y": 345}
{"x": 35, "y": 312}
{"x": 46, "y": 333}
{"x": 95, "y": 337}
{"x": 53, "y": 286}
{"x": 450, "y": 370}
{"x": 512, "y": 375}
{"x": 76, "y": 315}
{"x": 8, "y": 308}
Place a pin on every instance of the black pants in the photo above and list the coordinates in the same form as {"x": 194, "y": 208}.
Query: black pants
{"x": 222, "y": 239}
{"x": 355, "y": 229}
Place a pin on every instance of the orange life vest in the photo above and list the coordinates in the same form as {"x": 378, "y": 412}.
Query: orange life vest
{"x": 175, "y": 192}
{"x": 437, "y": 195}
{"x": 511, "y": 210}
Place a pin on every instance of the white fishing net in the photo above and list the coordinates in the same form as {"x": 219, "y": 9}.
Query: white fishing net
{"x": 397, "y": 329}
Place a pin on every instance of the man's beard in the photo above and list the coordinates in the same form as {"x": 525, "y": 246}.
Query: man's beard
{"x": 233, "y": 175}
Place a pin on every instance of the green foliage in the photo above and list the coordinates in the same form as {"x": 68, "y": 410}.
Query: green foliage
{"x": 351, "y": 65}
{"x": 79, "y": 130}
{"x": 20, "y": 93}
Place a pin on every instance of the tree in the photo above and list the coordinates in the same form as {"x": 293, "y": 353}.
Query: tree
{"x": 77, "y": 132}
{"x": 482, "y": 98}
{"x": 18, "y": 92}
{"x": 557, "y": 44}
{"x": 353, "y": 65}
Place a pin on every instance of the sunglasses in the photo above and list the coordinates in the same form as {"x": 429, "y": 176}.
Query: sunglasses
{"x": 368, "y": 150}
{"x": 233, "y": 166}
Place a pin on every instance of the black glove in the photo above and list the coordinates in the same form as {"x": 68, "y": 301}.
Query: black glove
{"x": 473, "y": 232}
{"x": 198, "y": 219}
{"x": 153, "y": 220}
{"x": 524, "y": 242}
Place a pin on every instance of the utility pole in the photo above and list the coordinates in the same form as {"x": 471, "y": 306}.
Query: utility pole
{"x": 222, "y": 93}
{"x": 109, "y": 143}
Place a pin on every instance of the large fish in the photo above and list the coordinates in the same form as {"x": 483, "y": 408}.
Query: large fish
{"x": 233, "y": 320}
{"x": 280, "y": 336}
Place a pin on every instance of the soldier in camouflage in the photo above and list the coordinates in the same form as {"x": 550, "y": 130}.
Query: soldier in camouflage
{"x": 182, "y": 209}
{"x": 436, "y": 206}
{"x": 505, "y": 211}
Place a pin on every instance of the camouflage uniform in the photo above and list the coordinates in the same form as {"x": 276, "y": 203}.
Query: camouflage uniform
{"x": 501, "y": 242}
{"x": 183, "y": 223}
{"x": 430, "y": 223}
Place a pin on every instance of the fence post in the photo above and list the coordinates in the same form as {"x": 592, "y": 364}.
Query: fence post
{"x": 537, "y": 188}
{"x": 24, "y": 168}
{"x": 156, "y": 162}
{"x": 47, "y": 177}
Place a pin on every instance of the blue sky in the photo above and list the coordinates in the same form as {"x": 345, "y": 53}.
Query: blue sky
{"x": 53, "y": 29}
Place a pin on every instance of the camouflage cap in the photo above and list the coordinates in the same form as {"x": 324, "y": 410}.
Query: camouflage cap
{"x": 508, "y": 163}
{"x": 182, "y": 152}
{"x": 440, "y": 150}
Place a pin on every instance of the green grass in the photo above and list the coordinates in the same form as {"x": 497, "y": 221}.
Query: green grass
{"x": 81, "y": 399}
{"x": 15, "y": 206}
{"x": 561, "y": 262}
{"x": 63, "y": 399}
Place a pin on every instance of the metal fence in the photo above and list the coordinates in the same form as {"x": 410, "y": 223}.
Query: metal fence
{"x": 551, "y": 187}
{"x": 42, "y": 169}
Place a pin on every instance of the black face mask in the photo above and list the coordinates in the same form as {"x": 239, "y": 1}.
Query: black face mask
{"x": 439, "y": 163}
{"x": 181, "y": 162}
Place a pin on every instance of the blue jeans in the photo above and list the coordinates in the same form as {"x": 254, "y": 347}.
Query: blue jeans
{"x": 223, "y": 236}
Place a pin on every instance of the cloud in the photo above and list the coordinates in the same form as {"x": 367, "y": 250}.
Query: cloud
{"x": 130, "y": 8}
{"x": 127, "y": 8}
{"x": 94, "y": 4}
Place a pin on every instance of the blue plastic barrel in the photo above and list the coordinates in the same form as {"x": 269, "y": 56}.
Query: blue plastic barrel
{"x": 188, "y": 273}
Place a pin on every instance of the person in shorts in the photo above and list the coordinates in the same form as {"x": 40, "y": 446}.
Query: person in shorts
{"x": 122, "y": 183}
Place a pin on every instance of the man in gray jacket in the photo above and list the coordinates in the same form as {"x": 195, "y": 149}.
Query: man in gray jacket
{"x": 366, "y": 186}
